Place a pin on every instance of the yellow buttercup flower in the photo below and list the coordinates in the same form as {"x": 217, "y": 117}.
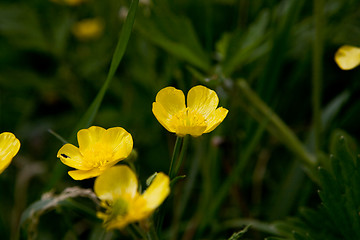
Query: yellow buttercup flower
{"x": 99, "y": 149}
{"x": 347, "y": 57}
{"x": 88, "y": 29}
{"x": 117, "y": 188}
{"x": 9, "y": 147}
{"x": 201, "y": 114}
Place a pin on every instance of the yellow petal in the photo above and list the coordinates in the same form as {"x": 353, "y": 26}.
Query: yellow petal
{"x": 88, "y": 137}
{"x": 347, "y": 57}
{"x": 194, "y": 131}
{"x": 84, "y": 174}
{"x": 202, "y": 99}
{"x": 171, "y": 99}
{"x": 119, "y": 142}
{"x": 117, "y": 223}
{"x": 162, "y": 116}
{"x": 157, "y": 192}
{"x": 215, "y": 118}
{"x": 71, "y": 156}
{"x": 9, "y": 147}
{"x": 116, "y": 182}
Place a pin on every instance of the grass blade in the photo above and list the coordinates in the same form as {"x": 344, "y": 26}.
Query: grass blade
{"x": 90, "y": 114}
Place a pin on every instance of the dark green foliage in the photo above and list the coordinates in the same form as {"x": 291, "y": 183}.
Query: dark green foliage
{"x": 338, "y": 216}
{"x": 257, "y": 167}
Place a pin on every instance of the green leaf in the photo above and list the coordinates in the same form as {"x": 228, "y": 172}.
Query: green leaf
{"x": 239, "y": 47}
{"x": 175, "y": 34}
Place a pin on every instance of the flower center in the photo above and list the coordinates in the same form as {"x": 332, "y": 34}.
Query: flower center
{"x": 188, "y": 121}
{"x": 114, "y": 210}
{"x": 97, "y": 155}
{"x": 120, "y": 207}
{"x": 188, "y": 118}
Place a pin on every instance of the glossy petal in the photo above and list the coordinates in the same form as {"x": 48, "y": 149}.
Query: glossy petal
{"x": 194, "y": 131}
{"x": 202, "y": 100}
{"x": 116, "y": 182}
{"x": 9, "y": 147}
{"x": 157, "y": 191}
{"x": 119, "y": 141}
{"x": 162, "y": 116}
{"x": 89, "y": 137}
{"x": 171, "y": 99}
{"x": 200, "y": 116}
{"x": 347, "y": 57}
{"x": 84, "y": 174}
{"x": 215, "y": 118}
{"x": 71, "y": 156}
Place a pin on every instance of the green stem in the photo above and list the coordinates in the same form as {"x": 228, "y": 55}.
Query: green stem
{"x": 132, "y": 231}
{"x": 152, "y": 234}
{"x": 276, "y": 126}
{"x": 175, "y": 155}
{"x": 317, "y": 71}
{"x": 182, "y": 154}
{"x": 136, "y": 231}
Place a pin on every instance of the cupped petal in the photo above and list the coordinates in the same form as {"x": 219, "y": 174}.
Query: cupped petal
{"x": 84, "y": 174}
{"x": 171, "y": 99}
{"x": 162, "y": 116}
{"x": 215, "y": 118}
{"x": 119, "y": 141}
{"x": 9, "y": 147}
{"x": 202, "y": 99}
{"x": 89, "y": 137}
{"x": 347, "y": 57}
{"x": 116, "y": 182}
{"x": 71, "y": 156}
{"x": 195, "y": 131}
{"x": 117, "y": 223}
{"x": 156, "y": 193}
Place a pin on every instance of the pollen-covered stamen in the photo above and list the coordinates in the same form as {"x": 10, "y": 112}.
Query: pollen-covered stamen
{"x": 188, "y": 118}
{"x": 98, "y": 155}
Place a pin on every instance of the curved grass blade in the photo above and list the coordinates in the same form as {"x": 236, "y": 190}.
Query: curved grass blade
{"x": 90, "y": 114}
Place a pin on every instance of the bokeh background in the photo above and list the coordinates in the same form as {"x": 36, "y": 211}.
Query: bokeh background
{"x": 50, "y": 73}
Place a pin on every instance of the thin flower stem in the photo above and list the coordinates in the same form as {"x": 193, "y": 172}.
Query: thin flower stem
{"x": 175, "y": 156}
{"x": 182, "y": 154}
{"x": 137, "y": 231}
{"x": 132, "y": 232}
{"x": 152, "y": 234}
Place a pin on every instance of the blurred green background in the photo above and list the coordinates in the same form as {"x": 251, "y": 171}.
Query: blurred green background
{"x": 49, "y": 77}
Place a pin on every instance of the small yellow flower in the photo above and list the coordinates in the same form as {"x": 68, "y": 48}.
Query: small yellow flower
{"x": 9, "y": 147}
{"x": 200, "y": 116}
{"x": 88, "y": 29}
{"x": 99, "y": 149}
{"x": 117, "y": 189}
{"x": 347, "y": 57}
